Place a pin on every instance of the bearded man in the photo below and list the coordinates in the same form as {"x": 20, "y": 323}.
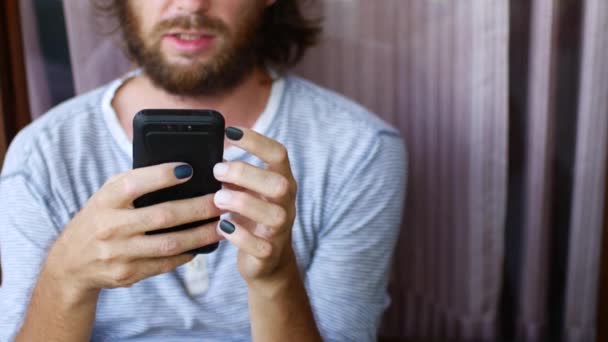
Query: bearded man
{"x": 313, "y": 186}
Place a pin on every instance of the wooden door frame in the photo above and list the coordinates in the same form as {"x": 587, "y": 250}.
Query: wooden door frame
{"x": 14, "y": 102}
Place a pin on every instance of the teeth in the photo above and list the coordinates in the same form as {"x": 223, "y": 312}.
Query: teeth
{"x": 188, "y": 36}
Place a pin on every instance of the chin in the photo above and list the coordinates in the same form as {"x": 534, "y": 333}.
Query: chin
{"x": 187, "y": 61}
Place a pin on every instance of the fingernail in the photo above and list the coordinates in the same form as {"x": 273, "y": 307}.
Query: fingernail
{"x": 219, "y": 170}
{"x": 234, "y": 133}
{"x": 183, "y": 171}
{"x": 223, "y": 197}
{"x": 227, "y": 227}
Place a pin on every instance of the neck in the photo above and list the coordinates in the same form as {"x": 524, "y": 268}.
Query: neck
{"x": 241, "y": 106}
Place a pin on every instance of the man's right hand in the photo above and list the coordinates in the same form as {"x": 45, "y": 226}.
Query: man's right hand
{"x": 105, "y": 246}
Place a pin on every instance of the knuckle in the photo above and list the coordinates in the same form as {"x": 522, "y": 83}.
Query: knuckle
{"x": 169, "y": 246}
{"x": 282, "y": 154}
{"x": 202, "y": 232}
{"x": 237, "y": 169}
{"x": 123, "y": 274}
{"x": 281, "y": 188}
{"x": 238, "y": 201}
{"x": 208, "y": 233}
{"x": 270, "y": 232}
{"x": 107, "y": 254}
{"x": 201, "y": 208}
{"x": 163, "y": 217}
{"x": 208, "y": 209}
{"x": 279, "y": 217}
{"x": 129, "y": 188}
{"x": 113, "y": 179}
{"x": 264, "y": 249}
{"x": 165, "y": 174}
{"x": 106, "y": 233}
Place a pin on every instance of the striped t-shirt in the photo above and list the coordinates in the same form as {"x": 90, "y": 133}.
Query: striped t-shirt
{"x": 350, "y": 170}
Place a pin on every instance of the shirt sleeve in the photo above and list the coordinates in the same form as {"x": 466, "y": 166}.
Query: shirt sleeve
{"x": 27, "y": 230}
{"x": 348, "y": 278}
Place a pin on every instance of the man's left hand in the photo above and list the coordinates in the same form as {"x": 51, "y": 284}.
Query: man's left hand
{"x": 262, "y": 205}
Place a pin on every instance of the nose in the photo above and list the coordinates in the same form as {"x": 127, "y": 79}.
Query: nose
{"x": 191, "y": 6}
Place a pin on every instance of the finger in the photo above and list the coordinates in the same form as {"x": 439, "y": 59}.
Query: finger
{"x": 174, "y": 243}
{"x": 256, "y": 229}
{"x": 270, "y": 151}
{"x": 155, "y": 266}
{"x": 251, "y": 207}
{"x": 121, "y": 190}
{"x": 245, "y": 240}
{"x": 171, "y": 214}
{"x": 267, "y": 183}
{"x": 234, "y": 187}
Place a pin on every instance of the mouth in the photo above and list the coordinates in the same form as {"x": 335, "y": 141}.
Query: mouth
{"x": 190, "y": 36}
{"x": 190, "y": 42}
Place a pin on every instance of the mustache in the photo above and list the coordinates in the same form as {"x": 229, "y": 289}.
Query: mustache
{"x": 191, "y": 22}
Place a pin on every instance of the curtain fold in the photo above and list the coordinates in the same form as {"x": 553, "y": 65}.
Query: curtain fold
{"x": 37, "y": 81}
{"x": 586, "y": 224}
{"x": 565, "y": 146}
{"x": 95, "y": 49}
{"x": 534, "y": 268}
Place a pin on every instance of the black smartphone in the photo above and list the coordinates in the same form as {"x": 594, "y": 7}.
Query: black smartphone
{"x": 195, "y": 137}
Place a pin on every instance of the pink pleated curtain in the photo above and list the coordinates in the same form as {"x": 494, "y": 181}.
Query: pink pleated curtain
{"x": 439, "y": 71}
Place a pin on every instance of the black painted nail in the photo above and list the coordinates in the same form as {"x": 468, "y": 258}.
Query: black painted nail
{"x": 234, "y": 133}
{"x": 183, "y": 171}
{"x": 227, "y": 227}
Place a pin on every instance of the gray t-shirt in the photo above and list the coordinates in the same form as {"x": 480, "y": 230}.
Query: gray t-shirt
{"x": 350, "y": 170}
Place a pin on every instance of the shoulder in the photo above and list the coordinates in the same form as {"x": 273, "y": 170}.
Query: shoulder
{"x": 330, "y": 109}
{"x": 332, "y": 125}
{"x": 57, "y": 155}
{"x": 60, "y": 126}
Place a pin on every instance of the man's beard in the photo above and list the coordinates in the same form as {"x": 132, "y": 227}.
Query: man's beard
{"x": 221, "y": 73}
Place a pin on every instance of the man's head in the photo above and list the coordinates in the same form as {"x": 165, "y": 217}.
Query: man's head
{"x": 207, "y": 47}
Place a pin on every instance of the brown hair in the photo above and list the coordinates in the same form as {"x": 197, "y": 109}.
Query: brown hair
{"x": 282, "y": 39}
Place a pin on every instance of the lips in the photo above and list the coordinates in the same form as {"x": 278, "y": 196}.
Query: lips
{"x": 189, "y": 41}
{"x": 189, "y": 35}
